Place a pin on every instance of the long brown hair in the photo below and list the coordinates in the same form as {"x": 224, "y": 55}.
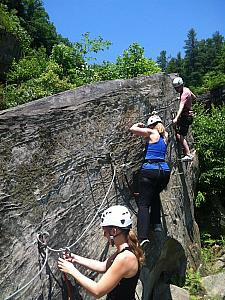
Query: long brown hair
{"x": 135, "y": 246}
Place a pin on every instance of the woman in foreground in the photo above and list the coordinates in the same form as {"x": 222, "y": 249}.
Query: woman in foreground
{"x": 121, "y": 270}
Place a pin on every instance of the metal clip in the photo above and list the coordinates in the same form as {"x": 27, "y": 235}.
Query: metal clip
{"x": 67, "y": 251}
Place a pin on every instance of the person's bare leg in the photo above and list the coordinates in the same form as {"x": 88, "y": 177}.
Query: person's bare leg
{"x": 184, "y": 143}
{"x": 187, "y": 155}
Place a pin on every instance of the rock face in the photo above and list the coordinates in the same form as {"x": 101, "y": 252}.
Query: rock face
{"x": 63, "y": 160}
{"x": 214, "y": 285}
{"x": 171, "y": 292}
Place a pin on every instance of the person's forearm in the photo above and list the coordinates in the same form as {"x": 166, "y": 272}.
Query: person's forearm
{"x": 137, "y": 126}
{"x": 193, "y": 96}
{"x": 91, "y": 264}
{"x": 140, "y": 129}
{"x": 179, "y": 111}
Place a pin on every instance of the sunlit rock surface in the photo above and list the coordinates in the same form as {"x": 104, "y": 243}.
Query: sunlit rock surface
{"x": 67, "y": 157}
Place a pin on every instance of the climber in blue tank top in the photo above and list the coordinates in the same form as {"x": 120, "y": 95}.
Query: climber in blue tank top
{"x": 154, "y": 175}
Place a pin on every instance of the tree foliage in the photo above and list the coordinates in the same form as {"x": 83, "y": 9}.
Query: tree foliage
{"x": 162, "y": 60}
{"x": 203, "y": 59}
{"x": 9, "y": 22}
{"x": 133, "y": 63}
{"x": 35, "y": 21}
{"x": 47, "y": 55}
{"x": 191, "y": 58}
{"x": 209, "y": 132}
{"x": 67, "y": 67}
{"x": 30, "y": 66}
{"x": 46, "y": 81}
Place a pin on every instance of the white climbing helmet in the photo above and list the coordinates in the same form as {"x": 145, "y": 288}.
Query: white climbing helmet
{"x": 116, "y": 215}
{"x": 153, "y": 119}
{"x": 178, "y": 81}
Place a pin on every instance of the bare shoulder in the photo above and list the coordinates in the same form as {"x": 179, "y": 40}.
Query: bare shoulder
{"x": 126, "y": 257}
{"x": 128, "y": 263}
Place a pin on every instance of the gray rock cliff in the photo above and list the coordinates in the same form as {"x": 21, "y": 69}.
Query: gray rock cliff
{"x": 67, "y": 157}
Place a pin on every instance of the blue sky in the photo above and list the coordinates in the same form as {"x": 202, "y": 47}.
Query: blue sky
{"x": 155, "y": 24}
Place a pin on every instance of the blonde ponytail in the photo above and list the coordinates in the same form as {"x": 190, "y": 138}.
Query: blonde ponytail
{"x": 162, "y": 131}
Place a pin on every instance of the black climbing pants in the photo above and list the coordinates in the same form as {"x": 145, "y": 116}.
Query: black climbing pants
{"x": 151, "y": 183}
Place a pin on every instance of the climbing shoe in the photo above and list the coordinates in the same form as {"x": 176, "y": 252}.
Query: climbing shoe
{"x": 188, "y": 157}
{"x": 144, "y": 243}
{"x": 157, "y": 227}
{"x": 146, "y": 247}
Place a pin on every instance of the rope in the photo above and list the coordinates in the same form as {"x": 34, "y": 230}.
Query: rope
{"x": 23, "y": 287}
{"x": 137, "y": 295}
{"x": 42, "y": 244}
{"x": 88, "y": 177}
{"x": 97, "y": 212}
{"x": 168, "y": 125}
{"x": 103, "y": 184}
{"x": 89, "y": 225}
{"x": 115, "y": 184}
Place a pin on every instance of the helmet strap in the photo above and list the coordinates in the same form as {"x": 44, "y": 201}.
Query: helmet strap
{"x": 112, "y": 240}
{"x": 112, "y": 237}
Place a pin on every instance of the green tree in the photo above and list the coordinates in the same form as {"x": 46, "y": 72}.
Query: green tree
{"x": 221, "y": 59}
{"x": 172, "y": 65}
{"x": 209, "y": 132}
{"x": 176, "y": 65}
{"x": 15, "y": 5}
{"x": 88, "y": 45}
{"x": 75, "y": 59}
{"x": 11, "y": 23}
{"x": 133, "y": 63}
{"x": 49, "y": 82}
{"x": 35, "y": 20}
{"x": 68, "y": 58}
{"x": 162, "y": 60}
{"x": 191, "y": 73}
{"x": 106, "y": 71}
{"x": 208, "y": 52}
{"x": 219, "y": 52}
{"x": 30, "y": 66}
{"x": 38, "y": 75}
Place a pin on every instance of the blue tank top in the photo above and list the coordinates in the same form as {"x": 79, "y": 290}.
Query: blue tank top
{"x": 155, "y": 156}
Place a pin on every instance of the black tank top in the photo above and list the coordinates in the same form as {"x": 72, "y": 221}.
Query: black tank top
{"x": 125, "y": 289}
